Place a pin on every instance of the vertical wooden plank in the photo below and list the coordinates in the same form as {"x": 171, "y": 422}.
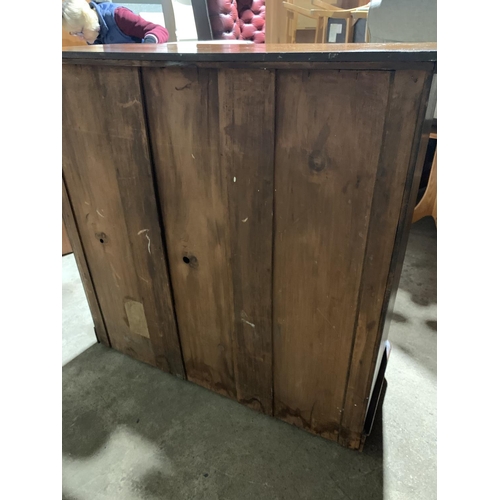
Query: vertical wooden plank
{"x": 327, "y": 151}
{"x": 83, "y": 268}
{"x": 418, "y": 151}
{"x": 183, "y": 112}
{"x": 247, "y": 131}
{"x": 401, "y": 124}
{"x": 106, "y": 165}
{"x": 212, "y": 138}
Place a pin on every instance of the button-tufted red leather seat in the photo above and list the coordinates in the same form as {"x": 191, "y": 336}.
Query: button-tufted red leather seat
{"x": 252, "y": 14}
{"x": 224, "y": 19}
{"x": 238, "y": 19}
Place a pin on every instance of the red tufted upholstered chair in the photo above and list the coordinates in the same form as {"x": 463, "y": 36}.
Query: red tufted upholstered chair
{"x": 252, "y": 14}
{"x": 224, "y": 19}
{"x": 238, "y": 19}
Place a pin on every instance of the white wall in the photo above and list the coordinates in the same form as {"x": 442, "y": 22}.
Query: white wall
{"x": 403, "y": 21}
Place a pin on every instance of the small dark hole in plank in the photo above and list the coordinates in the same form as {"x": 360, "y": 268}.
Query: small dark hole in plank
{"x": 101, "y": 240}
{"x": 185, "y": 260}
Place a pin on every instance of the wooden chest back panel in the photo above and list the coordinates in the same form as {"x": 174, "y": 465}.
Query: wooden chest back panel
{"x": 271, "y": 199}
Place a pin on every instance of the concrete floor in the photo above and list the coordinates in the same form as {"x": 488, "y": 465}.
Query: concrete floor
{"x": 132, "y": 432}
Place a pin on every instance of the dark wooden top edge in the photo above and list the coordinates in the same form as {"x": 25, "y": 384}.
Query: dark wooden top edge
{"x": 261, "y": 53}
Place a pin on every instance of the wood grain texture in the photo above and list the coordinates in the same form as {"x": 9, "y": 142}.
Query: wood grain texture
{"x": 275, "y": 193}
{"x": 189, "y": 52}
{"x": 276, "y": 65}
{"x": 427, "y": 105}
{"x": 215, "y": 187}
{"x": 183, "y": 114}
{"x": 247, "y": 133}
{"x": 106, "y": 165}
{"x": 401, "y": 123}
{"x": 83, "y": 268}
{"x": 326, "y": 159}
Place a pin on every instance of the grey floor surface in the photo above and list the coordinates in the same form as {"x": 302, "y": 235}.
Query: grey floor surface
{"x": 132, "y": 432}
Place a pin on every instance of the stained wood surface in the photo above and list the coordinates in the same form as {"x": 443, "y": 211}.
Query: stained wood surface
{"x": 246, "y": 122}
{"x": 391, "y": 177}
{"x": 226, "y": 52}
{"x": 330, "y": 66}
{"x": 427, "y": 105}
{"x": 276, "y": 201}
{"x": 83, "y": 268}
{"x": 106, "y": 165}
{"x": 327, "y": 151}
{"x": 215, "y": 187}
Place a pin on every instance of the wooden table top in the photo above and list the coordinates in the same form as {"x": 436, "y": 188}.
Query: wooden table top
{"x": 227, "y": 52}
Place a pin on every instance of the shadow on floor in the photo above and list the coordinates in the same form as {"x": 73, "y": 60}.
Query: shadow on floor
{"x": 419, "y": 274}
{"x": 414, "y": 320}
{"x": 133, "y": 432}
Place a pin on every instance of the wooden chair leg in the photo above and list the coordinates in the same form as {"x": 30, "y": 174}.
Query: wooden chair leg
{"x": 319, "y": 36}
{"x": 294, "y": 28}
{"x": 291, "y": 27}
{"x": 349, "y": 30}
{"x": 428, "y": 204}
{"x": 325, "y": 29}
{"x": 287, "y": 27}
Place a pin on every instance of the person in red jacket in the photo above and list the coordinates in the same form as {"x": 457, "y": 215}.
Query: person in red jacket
{"x": 103, "y": 22}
